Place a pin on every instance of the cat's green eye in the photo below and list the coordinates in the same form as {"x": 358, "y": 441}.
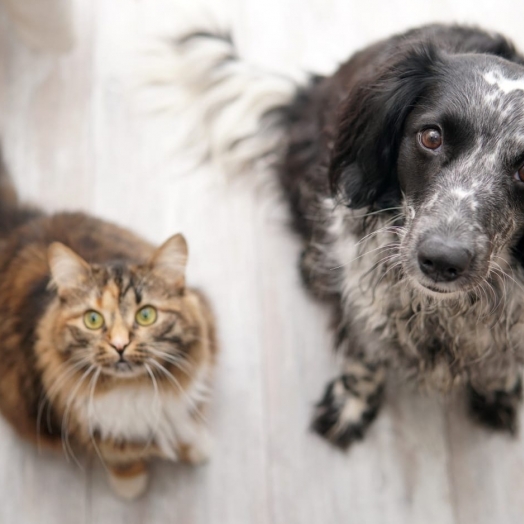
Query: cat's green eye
{"x": 146, "y": 316}
{"x": 93, "y": 319}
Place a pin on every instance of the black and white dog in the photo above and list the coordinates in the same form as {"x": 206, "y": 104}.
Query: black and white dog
{"x": 404, "y": 172}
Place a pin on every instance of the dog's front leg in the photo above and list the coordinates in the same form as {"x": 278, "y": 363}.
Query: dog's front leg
{"x": 351, "y": 401}
{"x": 495, "y": 392}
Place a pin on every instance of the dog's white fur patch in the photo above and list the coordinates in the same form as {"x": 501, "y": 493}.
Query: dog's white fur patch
{"x": 461, "y": 193}
{"x": 351, "y": 414}
{"x": 506, "y": 85}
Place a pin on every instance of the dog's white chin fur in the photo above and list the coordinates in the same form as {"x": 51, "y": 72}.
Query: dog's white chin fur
{"x": 439, "y": 295}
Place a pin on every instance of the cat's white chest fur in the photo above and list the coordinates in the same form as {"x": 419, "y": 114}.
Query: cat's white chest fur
{"x": 141, "y": 414}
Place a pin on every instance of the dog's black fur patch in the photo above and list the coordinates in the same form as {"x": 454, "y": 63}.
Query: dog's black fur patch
{"x": 496, "y": 409}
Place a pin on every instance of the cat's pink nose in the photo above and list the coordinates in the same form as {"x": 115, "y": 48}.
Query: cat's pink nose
{"x": 119, "y": 343}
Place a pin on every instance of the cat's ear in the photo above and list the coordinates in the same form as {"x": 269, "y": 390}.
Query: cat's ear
{"x": 169, "y": 261}
{"x": 68, "y": 270}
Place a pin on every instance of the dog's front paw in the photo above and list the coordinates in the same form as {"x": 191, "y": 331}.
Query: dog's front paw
{"x": 497, "y": 409}
{"x": 349, "y": 405}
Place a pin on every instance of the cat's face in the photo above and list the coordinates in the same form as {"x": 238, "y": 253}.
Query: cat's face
{"x": 124, "y": 320}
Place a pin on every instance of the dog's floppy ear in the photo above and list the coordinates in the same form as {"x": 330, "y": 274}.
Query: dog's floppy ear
{"x": 364, "y": 155}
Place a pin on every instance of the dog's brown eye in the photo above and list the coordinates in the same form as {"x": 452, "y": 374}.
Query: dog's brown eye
{"x": 431, "y": 138}
{"x": 519, "y": 175}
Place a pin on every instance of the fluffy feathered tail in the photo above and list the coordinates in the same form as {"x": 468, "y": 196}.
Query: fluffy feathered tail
{"x": 235, "y": 107}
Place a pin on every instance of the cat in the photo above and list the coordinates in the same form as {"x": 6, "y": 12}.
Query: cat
{"x": 105, "y": 350}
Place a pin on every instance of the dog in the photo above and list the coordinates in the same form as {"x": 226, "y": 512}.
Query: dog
{"x": 404, "y": 173}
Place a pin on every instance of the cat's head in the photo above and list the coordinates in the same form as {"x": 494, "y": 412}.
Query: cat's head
{"x": 122, "y": 319}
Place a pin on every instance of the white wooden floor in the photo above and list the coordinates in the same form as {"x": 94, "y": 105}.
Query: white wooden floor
{"x": 73, "y": 139}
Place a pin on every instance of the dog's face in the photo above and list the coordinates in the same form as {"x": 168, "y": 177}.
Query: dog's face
{"x": 445, "y": 141}
{"x": 460, "y": 170}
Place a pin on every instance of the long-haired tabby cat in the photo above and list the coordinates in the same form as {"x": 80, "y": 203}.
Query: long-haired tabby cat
{"x": 104, "y": 349}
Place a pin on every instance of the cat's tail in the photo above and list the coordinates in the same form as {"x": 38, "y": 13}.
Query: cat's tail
{"x": 8, "y": 195}
{"x": 12, "y": 213}
{"x": 236, "y": 110}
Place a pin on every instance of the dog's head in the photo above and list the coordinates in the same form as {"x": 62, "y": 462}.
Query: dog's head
{"x": 442, "y": 136}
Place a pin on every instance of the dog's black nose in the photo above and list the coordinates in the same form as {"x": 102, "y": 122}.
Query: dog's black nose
{"x": 443, "y": 260}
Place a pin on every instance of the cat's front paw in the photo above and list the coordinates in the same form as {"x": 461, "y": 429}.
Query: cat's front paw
{"x": 129, "y": 482}
{"x": 199, "y": 451}
{"x": 347, "y": 408}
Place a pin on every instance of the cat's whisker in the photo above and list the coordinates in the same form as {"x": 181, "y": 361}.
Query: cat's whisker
{"x": 188, "y": 358}
{"x": 156, "y": 401}
{"x": 65, "y": 419}
{"x": 175, "y": 356}
{"x": 59, "y": 377}
{"x": 75, "y": 365}
{"x": 179, "y": 387}
{"x": 178, "y": 362}
{"x": 55, "y": 389}
{"x": 91, "y": 415}
{"x": 178, "y": 356}
{"x": 44, "y": 399}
